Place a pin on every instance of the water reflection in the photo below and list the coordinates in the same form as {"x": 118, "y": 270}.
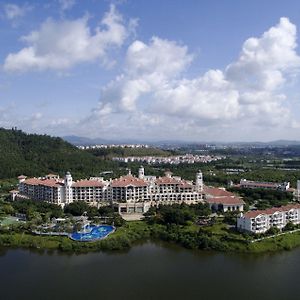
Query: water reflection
{"x": 149, "y": 271}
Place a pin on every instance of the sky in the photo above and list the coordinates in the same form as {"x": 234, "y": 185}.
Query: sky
{"x": 187, "y": 70}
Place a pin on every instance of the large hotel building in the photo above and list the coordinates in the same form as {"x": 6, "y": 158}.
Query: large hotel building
{"x": 128, "y": 193}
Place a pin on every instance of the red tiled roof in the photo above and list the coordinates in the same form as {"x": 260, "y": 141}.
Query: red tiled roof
{"x": 51, "y": 183}
{"x": 270, "y": 211}
{"x": 22, "y": 177}
{"x": 167, "y": 180}
{"x": 226, "y": 200}
{"x": 127, "y": 180}
{"x": 32, "y": 181}
{"x": 88, "y": 183}
{"x": 44, "y": 182}
{"x": 217, "y": 192}
{"x": 185, "y": 184}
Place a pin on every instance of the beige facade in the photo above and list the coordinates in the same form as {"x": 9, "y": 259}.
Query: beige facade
{"x": 129, "y": 193}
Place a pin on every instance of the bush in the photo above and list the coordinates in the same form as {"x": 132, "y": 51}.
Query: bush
{"x": 273, "y": 230}
{"x": 289, "y": 226}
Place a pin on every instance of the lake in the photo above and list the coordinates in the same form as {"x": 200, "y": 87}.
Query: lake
{"x": 149, "y": 271}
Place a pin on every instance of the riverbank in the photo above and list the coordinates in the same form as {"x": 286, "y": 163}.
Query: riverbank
{"x": 216, "y": 238}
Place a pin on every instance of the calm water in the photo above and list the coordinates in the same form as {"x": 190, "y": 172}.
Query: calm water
{"x": 149, "y": 271}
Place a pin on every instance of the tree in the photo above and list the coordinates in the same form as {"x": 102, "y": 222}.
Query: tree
{"x": 8, "y": 209}
{"x": 36, "y": 218}
{"x": 77, "y": 208}
{"x": 273, "y": 230}
{"x": 289, "y": 226}
{"x": 47, "y": 217}
{"x": 105, "y": 211}
{"x": 230, "y": 217}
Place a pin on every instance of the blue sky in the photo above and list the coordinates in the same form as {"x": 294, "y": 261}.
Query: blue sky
{"x": 151, "y": 70}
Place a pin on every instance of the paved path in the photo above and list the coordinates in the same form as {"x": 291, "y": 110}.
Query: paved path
{"x": 132, "y": 217}
{"x": 275, "y": 235}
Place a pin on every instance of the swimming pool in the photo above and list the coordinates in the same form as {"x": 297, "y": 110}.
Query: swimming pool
{"x": 92, "y": 233}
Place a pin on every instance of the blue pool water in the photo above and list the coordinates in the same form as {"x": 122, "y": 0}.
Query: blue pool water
{"x": 93, "y": 233}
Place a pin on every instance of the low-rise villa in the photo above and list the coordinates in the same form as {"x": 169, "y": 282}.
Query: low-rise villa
{"x": 259, "y": 221}
{"x": 222, "y": 200}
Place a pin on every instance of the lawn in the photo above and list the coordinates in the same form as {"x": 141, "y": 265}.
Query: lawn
{"x": 283, "y": 242}
{"x": 6, "y": 221}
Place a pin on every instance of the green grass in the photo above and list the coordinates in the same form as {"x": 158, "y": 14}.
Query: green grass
{"x": 123, "y": 238}
{"x": 216, "y": 229}
{"x": 6, "y": 221}
{"x": 283, "y": 242}
{"x": 222, "y": 238}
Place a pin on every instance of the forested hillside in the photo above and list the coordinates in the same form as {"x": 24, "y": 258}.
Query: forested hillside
{"x": 35, "y": 155}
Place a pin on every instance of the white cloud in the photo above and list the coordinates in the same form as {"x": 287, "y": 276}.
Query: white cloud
{"x": 264, "y": 61}
{"x": 14, "y": 11}
{"x": 262, "y": 70}
{"x": 249, "y": 92}
{"x": 9, "y": 117}
{"x": 153, "y": 98}
{"x": 208, "y": 97}
{"x": 66, "y": 4}
{"x": 163, "y": 57}
{"x": 59, "y": 45}
{"x": 148, "y": 68}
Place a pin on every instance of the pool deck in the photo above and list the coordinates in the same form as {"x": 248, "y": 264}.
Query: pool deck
{"x": 132, "y": 217}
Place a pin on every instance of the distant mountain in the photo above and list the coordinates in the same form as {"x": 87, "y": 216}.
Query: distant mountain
{"x": 278, "y": 143}
{"x": 77, "y": 140}
{"x": 285, "y": 143}
{"x": 84, "y": 141}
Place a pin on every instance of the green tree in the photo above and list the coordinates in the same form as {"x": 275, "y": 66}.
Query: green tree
{"x": 289, "y": 226}
{"x": 77, "y": 208}
{"x": 8, "y": 209}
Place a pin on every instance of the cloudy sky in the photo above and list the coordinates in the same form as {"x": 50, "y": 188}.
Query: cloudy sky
{"x": 152, "y": 70}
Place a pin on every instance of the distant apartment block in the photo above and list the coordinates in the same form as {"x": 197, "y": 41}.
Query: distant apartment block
{"x": 173, "y": 160}
{"x": 248, "y": 184}
{"x": 297, "y": 192}
{"x": 259, "y": 221}
{"x": 108, "y": 146}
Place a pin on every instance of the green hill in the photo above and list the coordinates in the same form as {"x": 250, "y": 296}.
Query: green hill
{"x": 35, "y": 155}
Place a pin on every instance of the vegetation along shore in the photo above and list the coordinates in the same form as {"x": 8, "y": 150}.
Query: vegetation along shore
{"x": 176, "y": 224}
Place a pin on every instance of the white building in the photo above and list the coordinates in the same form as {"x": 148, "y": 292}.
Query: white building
{"x": 248, "y": 184}
{"x": 298, "y": 190}
{"x": 221, "y": 200}
{"x": 128, "y": 193}
{"x": 260, "y": 221}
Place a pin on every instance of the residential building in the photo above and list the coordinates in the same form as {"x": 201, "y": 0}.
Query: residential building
{"x": 173, "y": 160}
{"x": 248, "y": 184}
{"x": 298, "y": 190}
{"x": 259, "y": 221}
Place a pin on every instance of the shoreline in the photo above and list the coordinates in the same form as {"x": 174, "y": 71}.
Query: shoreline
{"x": 125, "y": 237}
